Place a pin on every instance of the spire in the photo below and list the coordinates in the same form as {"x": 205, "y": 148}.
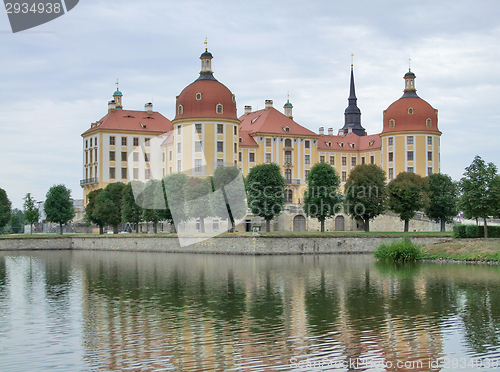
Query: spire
{"x": 117, "y": 95}
{"x": 352, "y": 113}
{"x": 288, "y": 108}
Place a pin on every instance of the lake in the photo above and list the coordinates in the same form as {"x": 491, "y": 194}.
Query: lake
{"x": 118, "y": 311}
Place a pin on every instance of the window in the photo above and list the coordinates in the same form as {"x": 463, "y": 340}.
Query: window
{"x": 409, "y": 140}
{"x": 179, "y": 147}
{"x": 391, "y": 156}
{"x": 86, "y": 144}
{"x": 180, "y": 109}
{"x": 90, "y": 152}
{"x": 428, "y": 122}
{"x": 124, "y": 173}
{"x": 235, "y": 150}
{"x": 239, "y": 156}
{"x": 288, "y": 156}
{"x": 353, "y": 162}
{"x": 307, "y": 159}
{"x": 90, "y": 168}
{"x": 147, "y": 156}
{"x": 288, "y": 142}
{"x": 220, "y": 146}
{"x": 170, "y": 155}
{"x": 268, "y": 158}
{"x": 197, "y": 128}
{"x": 124, "y": 141}
{"x": 163, "y": 157}
{"x": 124, "y": 155}
{"x": 344, "y": 160}
{"x": 235, "y": 130}
{"x": 179, "y": 168}
{"x": 251, "y": 157}
{"x": 220, "y": 128}
{"x": 392, "y": 123}
{"x": 136, "y": 141}
{"x": 220, "y": 163}
{"x": 344, "y": 176}
{"x": 429, "y": 140}
{"x": 147, "y": 142}
{"x": 410, "y": 111}
{"x": 332, "y": 160}
{"x": 86, "y": 157}
{"x": 372, "y": 159}
{"x": 306, "y": 173}
{"x": 321, "y": 159}
{"x": 197, "y": 165}
{"x": 147, "y": 173}
{"x": 95, "y": 153}
{"x": 410, "y": 170}
{"x": 429, "y": 155}
{"x": 179, "y": 130}
{"x": 197, "y": 146}
{"x": 307, "y": 144}
{"x": 391, "y": 173}
{"x": 111, "y": 156}
{"x": 391, "y": 141}
{"x": 91, "y": 142}
{"x": 429, "y": 171}
{"x": 112, "y": 140}
{"x": 136, "y": 156}
{"x": 112, "y": 173}
{"x": 135, "y": 173}
{"x": 363, "y": 160}
{"x": 198, "y": 96}
{"x": 409, "y": 155}
{"x": 268, "y": 142}
{"x": 219, "y": 109}
{"x": 287, "y": 129}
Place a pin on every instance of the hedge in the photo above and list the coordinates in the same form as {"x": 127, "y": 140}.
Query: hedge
{"x": 474, "y": 231}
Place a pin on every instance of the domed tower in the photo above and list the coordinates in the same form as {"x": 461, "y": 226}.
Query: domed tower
{"x": 205, "y": 125}
{"x": 410, "y": 138}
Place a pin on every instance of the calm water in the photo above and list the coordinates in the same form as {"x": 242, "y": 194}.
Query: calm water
{"x": 114, "y": 311}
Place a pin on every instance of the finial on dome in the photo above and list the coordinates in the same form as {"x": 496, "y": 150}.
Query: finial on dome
{"x": 206, "y": 44}
{"x": 352, "y": 59}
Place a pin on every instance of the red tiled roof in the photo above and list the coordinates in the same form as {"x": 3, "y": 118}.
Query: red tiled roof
{"x": 168, "y": 138}
{"x": 399, "y": 111}
{"x": 129, "y": 120}
{"x": 350, "y": 142}
{"x": 247, "y": 139}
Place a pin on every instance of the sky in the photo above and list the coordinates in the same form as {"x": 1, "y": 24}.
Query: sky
{"x": 56, "y": 79}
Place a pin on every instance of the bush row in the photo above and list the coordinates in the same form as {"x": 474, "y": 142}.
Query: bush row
{"x": 474, "y": 231}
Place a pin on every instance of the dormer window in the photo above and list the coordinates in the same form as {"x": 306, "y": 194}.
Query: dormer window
{"x": 392, "y": 123}
{"x": 428, "y": 122}
{"x": 370, "y": 143}
{"x": 219, "y": 108}
{"x": 410, "y": 111}
{"x": 286, "y": 129}
{"x": 180, "y": 109}
{"x": 198, "y": 96}
{"x": 353, "y": 145}
{"x": 254, "y": 119}
{"x": 341, "y": 144}
{"x": 329, "y": 144}
{"x": 240, "y": 139}
{"x": 233, "y": 98}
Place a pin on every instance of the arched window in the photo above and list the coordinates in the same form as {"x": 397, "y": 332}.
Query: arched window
{"x": 392, "y": 123}
{"x": 288, "y": 157}
{"x": 288, "y": 142}
{"x": 180, "y": 110}
{"x": 219, "y": 108}
{"x": 428, "y": 122}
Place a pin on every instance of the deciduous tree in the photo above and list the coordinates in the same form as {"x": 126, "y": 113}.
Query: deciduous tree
{"x": 131, "y": 211}
{"x": 198, "y": 195}
{"x": 109, "y": 205}
{"x": 58, "y": 206}
{"x": 90, "y": 215}
{"x": 5, "y": 208}
{"x": 31, "y": 212}
{"x": 443, "y": 198}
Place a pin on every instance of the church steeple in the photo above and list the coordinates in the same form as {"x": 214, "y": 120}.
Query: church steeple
{"x": 352, "y": 113}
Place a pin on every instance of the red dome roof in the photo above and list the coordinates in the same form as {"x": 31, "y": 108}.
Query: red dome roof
{"x": 410, "y": 114}
{"x": 213, "y": 93}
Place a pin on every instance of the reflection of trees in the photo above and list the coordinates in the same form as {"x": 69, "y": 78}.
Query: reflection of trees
{"x": 321, "y": 306}
{"x": 229, "y": 300}
{"x": 266, "y": 307}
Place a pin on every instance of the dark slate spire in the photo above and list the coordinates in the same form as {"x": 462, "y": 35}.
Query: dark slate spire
{"x": 352, "y": 112}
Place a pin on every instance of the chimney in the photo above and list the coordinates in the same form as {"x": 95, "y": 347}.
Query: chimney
{"x": 248, "y": 110}
{"x": 321, "y": 131}
{"x": 330, "y": 131}
{"x": 111, "y": 106}
{"x": 269, "y": 104}
{"x": 149, "y": 108}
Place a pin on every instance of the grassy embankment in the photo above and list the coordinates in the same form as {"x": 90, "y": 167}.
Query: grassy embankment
{"x": 463, "y": 250}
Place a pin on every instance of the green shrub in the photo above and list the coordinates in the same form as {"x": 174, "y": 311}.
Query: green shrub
{"x": 474, "y": 231}
{"x": 459, "y": 232}
{"x": 493, "y": 231}
{"x": 400, "y": 250}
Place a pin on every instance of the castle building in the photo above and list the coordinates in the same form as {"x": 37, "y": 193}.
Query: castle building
{"x": 207, "y": 133}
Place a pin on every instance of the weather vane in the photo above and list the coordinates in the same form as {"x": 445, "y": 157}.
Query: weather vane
{"x": 409, "y": 64}
{"x": 206, "y": 45}
{"x": 117, "y": 84}
{"x": 352, "y": 59}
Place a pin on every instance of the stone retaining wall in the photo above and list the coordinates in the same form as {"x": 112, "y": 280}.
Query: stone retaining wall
{"x": 218, "y": 245}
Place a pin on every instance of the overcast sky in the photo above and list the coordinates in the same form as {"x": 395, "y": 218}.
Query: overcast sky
{"x": 57, "y": 78}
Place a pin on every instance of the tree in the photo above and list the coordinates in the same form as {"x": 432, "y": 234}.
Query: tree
{"x": 174, "y": 192}
{"x": 31, "y": 212}
{"x": 480, "y": 188}
{"x": 109, "y": 205}
{"x": 197, "y": 193}
{"x": 229, "y": 182}
{"x": 131, "y": 211}
{"x": 322, "y": 199}
{"x": 407, "y": 194}
{"x": 5, "y": 208}
{"x": 443, "y": 198}
{"x": 153, "y": 202}
{"x": 266, "y": 191}
{"x": 58, "y": 206}
{"x": 15, "y": 224}
{"x": 90, "y": 215}
{"x": 365, "y": 193}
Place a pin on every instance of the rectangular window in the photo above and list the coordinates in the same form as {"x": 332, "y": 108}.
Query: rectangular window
{"x": 86, "y": 144}
{"x": 429, "y": 155}
{"x": 391, "y": 156}
{"x": 288, "y": 157}
{"x": 112, "y": 140}
{"x": 179, "y": 168}
{"x": 111, "y": 156}
{"x": 239, "y": 156}
{"x": 321, "y": 159}
{"x": 268, "y": 142}
{"x": 344, "y": 176}
{"x": 391, "y": 141}
{"x": 136, "y": 141}
{"x": 147, "y": 142}
{"x": 147, "y": 156}
{"x": 220, "y": 128}
{"x": 344, "y": 160}
{"x": 353, "y": 162}
{"x": 220, "y": 146}
{"x": 86, "y": 157}
{"x": 409, "y": 155}
{"x": 179, "y": 147}
{"x": 332, "y": 160}
{"x": 410, "y": 170}
{"x": 91, "y": 142}
{"x": 136, "y": 156}
{"x": 197, "y": 128}
{"x": 136, "y": 173}
{"x": 197, "y": 165}
{"x": 197, "y": 146}
{"x": 363, "y": 160}
{"x": 391, "y": 173}
{"x": 163, "y": 157}
{"x": 235, "y": 130}
{"x": 147, "y": 173}
{"x": 268, "y": 158}
{"x": 95, "y": 154}
{"x": 124, "y": 155}
{"x": 95, "y": 141}
{"x": 307, "y": 144}
{"x": 124, "y": 173}
{"x": 179, "y": 130}
{"x": 409, "y": 140}
{"x": 251, "y": 157}
{"x": 90, "y": 152}
{"x": 220, "y": 163}
{"x": 124, "y": 141}
{"x": 372, "y": 159}
{"x": 429, "y": 140}
{"x": 429, "y": 171}
{"x": 170, "y": 155}
{"x": 307, "y": 159}
{"x": 112, "y": 172}
{"x": 306, "y": 173}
